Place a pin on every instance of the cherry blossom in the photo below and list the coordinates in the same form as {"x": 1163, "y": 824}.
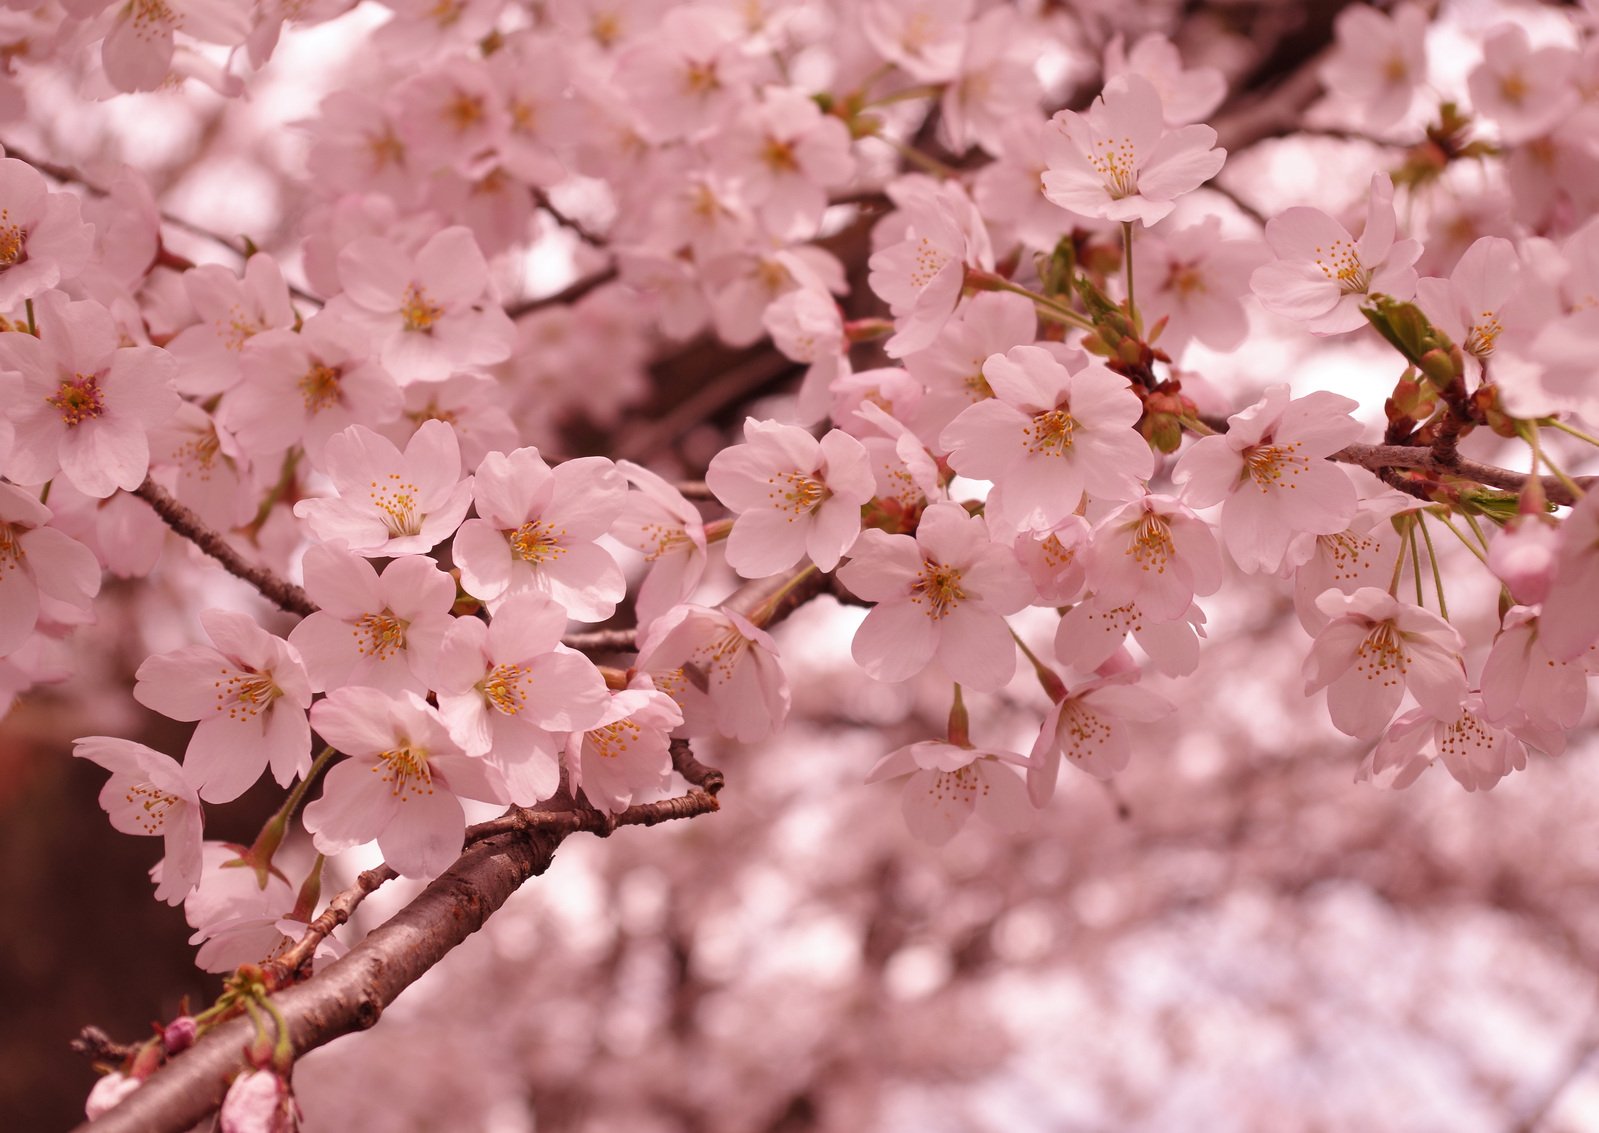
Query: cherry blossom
{"x": 1477, "y": 753}
{"x": 1373, "y": 650}
{"x": 87, "y": 403}
{"x": 1569, "y": 626}
{"x": 925, "y": 37}
{"x": 1524, "y": 91}
{"x": 945, "y": 784}
{"x": 384, "y": 632}
{"x": 1093, "y": 630}
{"x": 794, "y": 496}
{"x": 1156, "y": 552}
{"x": 1185, "y": 95}
{"x": 1522, "y": 681}
{"x": 231, "y": 311}
{"x": 627, "y": 751}
{"x": 659, "y": 522}
{"x": 1089, "y": 727}
{"x": 720, "y": 668}
{"x": 536, "y": 531}
{"x": 1269, "y": 470}
{"x": 39, "y": 564}
{"x": 1379, "y": 62}
{"x": 402, "y": 784}
{"x": 387, "y": 502}
{"x": 1120, "y": 161}
{"x": 941, "y": 597}
{"x": 1048, "y": 434}
{"x": 1322, "y": 274}
{"x": 43, "y": 239}
{"x": 921, "y": 274}
{"x": 149, "y": 793}
{"x": 1196, "y": 279}
{"x": 249, "y": 692}
{"x": 510, "y": 693}
{"x": 429, "y": 313}
{"x": 259, "y": 1101}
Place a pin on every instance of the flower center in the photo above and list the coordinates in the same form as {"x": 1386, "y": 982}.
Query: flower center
{"x": 938, "y": 588}
{"x": 1274, "y": 466}
{"x": 464, "y": 111}
{"x": 153, "y": 806}
{"x": 779, "y": 156}
{"x": 1484, "y": 333}
{"x": 244, "y": 695}
{"x": 1050, "y": 433}
{"x": 419, "y": 313}
{"x": 930, "y": 260}
{"x": 613, "y": 740}
{"x": 319, "y": 387}
{"x": 11, "y": 552}
{"x": 506, "y": 687}
{"x": 13, "y": 242}
{"x": 1381, "y": 656}
{"x": 378, "y": 636}
{"x": 1152, "y": 546}
{"x": 397, "y": 501}
{"x": 406, "y": 771}
{"x": 78, "y": 399}
{"x": 1081, "y": 730}
{"x": 1117, "y": 163}
{"x": 538, "y": 542}
{"x": 796, "y": 493}
{"x": 1340, "y": 263}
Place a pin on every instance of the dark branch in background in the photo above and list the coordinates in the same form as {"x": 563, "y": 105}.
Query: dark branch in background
{"x": 178, "y": 517}
{"x": 351, "y": 993}
{"x": 571, "y": 293}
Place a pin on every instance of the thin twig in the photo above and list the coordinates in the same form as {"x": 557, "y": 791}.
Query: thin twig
{"x": 182, "y": 520}
{"x": 1380, "y": 457}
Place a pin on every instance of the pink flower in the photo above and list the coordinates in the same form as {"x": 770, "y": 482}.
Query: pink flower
{"x": 1047, "y": 435}
{"x": 1185, "y": 95}
{"x": 1094, "y": 629}
{"x": 1522, "y": 681}
{"x": 786, "y": 154}
{"x": 402, "y": 784}
{"x": 945, "y": 784}
{"x": 87, "y": 403}
{"x": 951, "y": 367}
{"x": 940, "y": 597}
{"x": 1525, "y": 92}
{"x": 388, "y": 503}
{"x": 1372, "y": 650}
{"x": 1120, "y": 161}
{"x": 720, "y": 668}
{"x": 233, "y": 914}
{"x": 232, "y": 311}
{"x": 1271, "y": 470}
{"x": 1322, "y": 274}
{"x": 38, "y": 564}
{"x": 1479, "y": 299}
{"x": 666, "y": 528}
{"x": 1569, "y": 626}
{"x": 381, "y": 632}
{"x": 687, "y": 77}
{"x": 1198, "y": 281}
{"x": 996, "y": 83}
{"x": 249, "y": 694}
{"x": 1089, "y": 727}
{"x": 510, "y": 692}
{"x": 43, "y": 239}
{"x": 627, "y": 751}
{"x": 108, "y": 1093}
{"x": 259, "y": 1101}
{"x": 303, "y": 388}
{"x": 536, "y": 529}
{"x": 1155, "y": 552}
{"x": 920, "y": 276}
{"x": 1523, "y": 556}
{"x": 431, "y": 313}
{"x": 793, "y": 495}
{"x": 925, "y": 37}
{"x": 1055, "y": 558}
{"x": 148, "y": 793}
{"x": 1379, "y": 62}
{"x": 1476, "y": 752}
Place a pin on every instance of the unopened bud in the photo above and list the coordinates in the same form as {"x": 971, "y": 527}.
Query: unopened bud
{"x": 1162, "y": 430}
{"x": 179, "y": 1035}
{"x": 1439, "y": 367}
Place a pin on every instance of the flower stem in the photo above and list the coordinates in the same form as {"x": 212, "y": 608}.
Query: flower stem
{"x": 1432, "y": 561}
{"x": 991, "y": 281}
{"x": 1127, "y": 263}
{"x": 1571, "y": 430}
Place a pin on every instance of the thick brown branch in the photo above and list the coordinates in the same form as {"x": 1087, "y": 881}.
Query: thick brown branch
{"x": 602, "y": 640}
{"x": 178, "y": 517}
{"x": 1378, "y": 457}
{"x": 351, "y": 993}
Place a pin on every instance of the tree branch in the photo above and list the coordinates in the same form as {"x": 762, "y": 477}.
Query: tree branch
{"x": 1376, "y": 458}
{"x": 182, "y": 520}
{"x": 351, "y": 993}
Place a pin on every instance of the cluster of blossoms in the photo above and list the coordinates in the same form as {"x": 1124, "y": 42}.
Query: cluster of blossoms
{"x": 1026, "y": 458}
